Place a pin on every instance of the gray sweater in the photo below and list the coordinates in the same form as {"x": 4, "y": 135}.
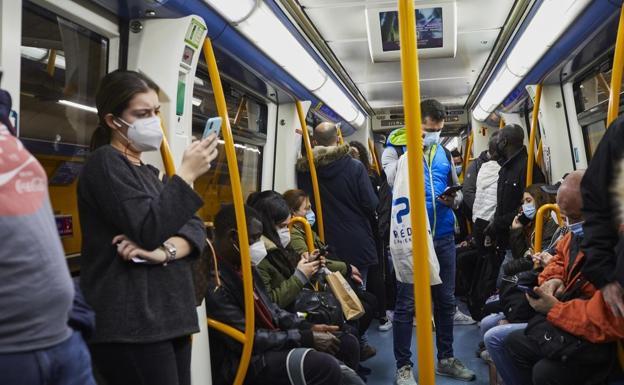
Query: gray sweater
{"x": 36, "y": 291}
{"x": 136, "y": 303}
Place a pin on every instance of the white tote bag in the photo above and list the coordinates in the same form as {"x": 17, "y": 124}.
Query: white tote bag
{"x": 401, "y": 231}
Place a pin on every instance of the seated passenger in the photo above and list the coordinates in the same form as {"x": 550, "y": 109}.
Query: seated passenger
{"x": 279, "y": 334}
{"x": 522, "y": 234}
{"x": 570, "y": 342}
{"x": 517, "y": 311}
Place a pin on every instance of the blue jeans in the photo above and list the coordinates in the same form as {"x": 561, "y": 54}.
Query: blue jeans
{"x": 443, "y": 297}
{"x": 494, "y": 339}
{"x": 67, "y": 363}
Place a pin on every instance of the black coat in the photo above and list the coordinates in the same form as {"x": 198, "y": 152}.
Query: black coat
{"x": 605, "y": 261}
{"x": 511, "y": 185}
{"x": 348, "y": 201}
{"x": 225, "y": 303}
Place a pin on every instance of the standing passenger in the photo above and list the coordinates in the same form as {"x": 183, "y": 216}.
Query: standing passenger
{"x": 140, "y": 236}
{"x": 37, "y": 346}
{"x": 348, "y": 198}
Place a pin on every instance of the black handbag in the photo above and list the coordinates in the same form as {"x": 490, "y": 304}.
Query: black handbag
{"x": 320, "y": 307}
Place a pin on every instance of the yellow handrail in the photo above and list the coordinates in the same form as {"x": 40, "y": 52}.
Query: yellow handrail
{"x": 534, "y": 123}
{"x": 614, "y": 105}
{"x": 306, "y": 228}
{"x": 373, "y": 151}
{"x": 539, "y": 223}
{"x": 467, "y": 155}
{"x": 418, "y": 215}
{"x": 340, "y": 138}
{"x": 616, "y": 73}
{"x": 165, "y": 153}
{"x": 539, "y": 157}
{"x": 51, "y": 62}
{"x": 241, "y": 222}
{"x": 501, "y": 122}
{"x": 313, "y": 177}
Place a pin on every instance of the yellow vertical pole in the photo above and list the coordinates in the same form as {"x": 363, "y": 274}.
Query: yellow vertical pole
{"x": 616, "y": 73}
{"x": 313, "y": 177}
{"x": 467, "y": 154}
{"x": 340, "y": 138}
{"x": 539, "y": 223}
{"x": 534, "y": 125}
{"x": 165, "y": 153}
{"x": 373, "y": 151}
{"x": 614, "y": 105}
{"x": 241, "y": 221}
{"x": 51, "y": 62}
{"x": 420, "y": 252}
{"x": 501, "y": 122}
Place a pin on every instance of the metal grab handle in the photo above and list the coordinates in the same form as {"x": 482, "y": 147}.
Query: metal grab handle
{"x": 313, "y": 177}
{"x": 534, "y": 128}
{"x": 165, "y": 153}
{"x": 246, "y": 338}
{"x": 418, "y": 215}
{"x": 340, "y": 138}
{"x": 467, "y": 154}
{"x": 539, "y": 224}
{"x": 373, "y": 151}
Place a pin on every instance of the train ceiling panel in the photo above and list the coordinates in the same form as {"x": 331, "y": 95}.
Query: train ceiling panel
{"x": 342, "y": 23}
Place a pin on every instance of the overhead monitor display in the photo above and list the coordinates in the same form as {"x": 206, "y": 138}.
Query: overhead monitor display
{"x": 429, "y": 29}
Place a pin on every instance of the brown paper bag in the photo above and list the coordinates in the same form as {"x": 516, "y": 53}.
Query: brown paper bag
{"x": 349, "y": 301}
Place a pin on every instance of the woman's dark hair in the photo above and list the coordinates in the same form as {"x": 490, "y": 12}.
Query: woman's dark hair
{"x": 294, "y": 198}
{"x": 540, "y": 196}
{"x": 114, "y": 94}
{"x": 273, "y": 210}
{"x": 363, "y": 154}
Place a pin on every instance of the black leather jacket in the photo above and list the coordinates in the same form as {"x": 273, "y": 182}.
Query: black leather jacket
{"x": 225, "y": 303}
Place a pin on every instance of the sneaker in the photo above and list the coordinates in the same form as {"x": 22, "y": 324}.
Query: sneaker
{"x": 485, "y": 356}
{"x": 462, "y": 319}
{"x": 367, "y": 352}
{"x": 452, "y": 367}
{"x": 384, "y": 325}
{"x": 404, "y": 376}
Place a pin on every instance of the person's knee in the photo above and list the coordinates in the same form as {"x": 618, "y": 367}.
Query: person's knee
{"x": 543, "y": 373}
{"x": 321, "y": 369}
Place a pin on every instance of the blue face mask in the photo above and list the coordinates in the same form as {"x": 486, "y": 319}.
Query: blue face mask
{"x": 529, "y": 210}
{"x": 431, "y": 138}
{"x": 311, "y": 217}
{"x": 575, "y": 228}
{"x": 458, "y": 169}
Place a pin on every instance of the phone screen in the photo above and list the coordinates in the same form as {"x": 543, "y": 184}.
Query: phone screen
{"x": 528, "y": 291}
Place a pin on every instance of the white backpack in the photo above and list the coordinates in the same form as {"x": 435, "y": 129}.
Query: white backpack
{"x": 401, "y": 231}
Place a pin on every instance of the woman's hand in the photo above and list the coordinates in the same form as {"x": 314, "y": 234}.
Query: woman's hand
{"x": 197, "y": 158}
{"x": 308, "y": 268}
{"x": 516, "y": 223}
{"x": 356, "y": 275}
{"x": 129, "y": 250}
{"x": 543, "y": 258}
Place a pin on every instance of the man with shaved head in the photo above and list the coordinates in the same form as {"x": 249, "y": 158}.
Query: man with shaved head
{"x": 326, "y": 134}
{"x": 570, "y": 309}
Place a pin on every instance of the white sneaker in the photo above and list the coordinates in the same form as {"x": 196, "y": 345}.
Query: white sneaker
{"x": 384, "y": 327}
{"x": 404, "y": 376}
{"x": 462, "y": 319}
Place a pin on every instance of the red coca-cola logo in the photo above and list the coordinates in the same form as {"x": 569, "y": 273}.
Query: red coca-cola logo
{"x": 23, "y": 182}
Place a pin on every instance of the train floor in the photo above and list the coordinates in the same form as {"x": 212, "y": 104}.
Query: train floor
{"x": 465, "y": 344}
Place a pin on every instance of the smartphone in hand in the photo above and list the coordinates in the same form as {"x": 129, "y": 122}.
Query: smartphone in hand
{"x": 213, "y": 125}
{"x": 528, "y": 290}
{"x": 451, "y": 190}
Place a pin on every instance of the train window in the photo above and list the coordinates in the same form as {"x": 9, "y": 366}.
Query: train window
{"x": 61, "y": 66}
{"x": 248, "y": 119}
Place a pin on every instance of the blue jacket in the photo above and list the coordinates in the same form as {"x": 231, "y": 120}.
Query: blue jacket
{"x": 437, "y": 178}
{"x": 349, "y": 201}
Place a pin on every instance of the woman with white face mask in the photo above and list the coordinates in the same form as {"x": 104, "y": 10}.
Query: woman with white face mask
{"x": 140, "y": 237}
{"x": 283, "y": 271}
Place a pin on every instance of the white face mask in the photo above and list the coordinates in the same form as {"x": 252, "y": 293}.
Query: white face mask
{"x": 431, "y": 138}
{"x": 284, "y": 235}
{"x": 257, "y": 252}
{"x": 144, "y": 134}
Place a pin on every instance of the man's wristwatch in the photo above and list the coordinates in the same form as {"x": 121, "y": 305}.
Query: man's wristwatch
{"x": 170, "y": 252}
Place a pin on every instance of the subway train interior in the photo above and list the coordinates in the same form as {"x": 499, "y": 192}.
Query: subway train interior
{"x": 276, "y": 69}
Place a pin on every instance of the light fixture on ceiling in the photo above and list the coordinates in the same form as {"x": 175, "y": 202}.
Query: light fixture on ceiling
{"x": 262, "y": 27}
{"x": 550, "y": 21}
{"x": 78, "y": 105}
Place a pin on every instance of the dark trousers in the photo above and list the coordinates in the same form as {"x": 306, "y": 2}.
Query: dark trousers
{"x": 538, "y": 370}
{"x": 159, "y": 363}
{"x": 443, "y": 296}
{"x": 67, "y": 363}
{"x": 318, "y": 369}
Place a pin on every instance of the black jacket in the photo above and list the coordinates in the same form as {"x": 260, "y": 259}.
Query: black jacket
{"x": 348, "y": 199}
{"x": 470, "y": 183}
{"x": 225, "y": 303}
{"x": 605, "y": 261}
{"x": 511, "y": 185}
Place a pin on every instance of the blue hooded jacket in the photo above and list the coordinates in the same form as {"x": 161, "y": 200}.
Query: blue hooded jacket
{"x": 437, "y": 178}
